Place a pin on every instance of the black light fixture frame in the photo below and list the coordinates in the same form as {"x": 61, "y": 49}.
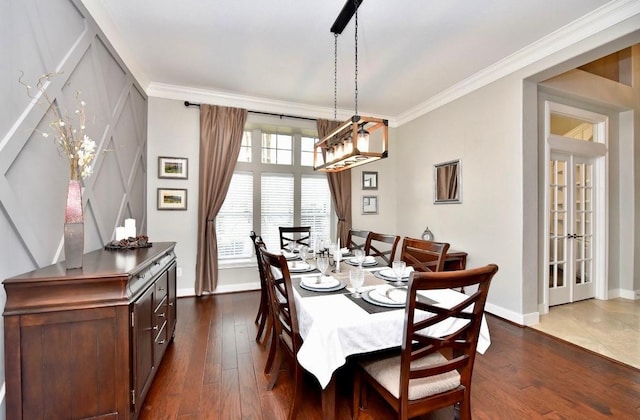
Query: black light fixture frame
{"x": 345, "y": 15}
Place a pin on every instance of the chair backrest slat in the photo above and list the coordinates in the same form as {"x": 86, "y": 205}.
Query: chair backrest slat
{"x": 281, "y": 298}
{"x": 382, "y": 246}
{"x": 356, "y": 233}
{"x": 294, "y": 235}
{"x": 424, "y": 255}
{"x": 459, "y": 347}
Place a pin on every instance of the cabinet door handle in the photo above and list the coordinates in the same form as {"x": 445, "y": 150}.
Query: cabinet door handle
{"x": 161, "y": 342}
{"x": 161, "y": 315}
{"x": 161, "y": 289}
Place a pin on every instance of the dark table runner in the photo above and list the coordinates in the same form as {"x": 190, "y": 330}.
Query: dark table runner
{"x": 370, "y": 307}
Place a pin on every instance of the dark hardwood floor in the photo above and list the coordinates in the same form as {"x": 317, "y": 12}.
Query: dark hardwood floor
{"x": 213, "y": 370}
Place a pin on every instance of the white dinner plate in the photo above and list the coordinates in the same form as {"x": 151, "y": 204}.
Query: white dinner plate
{"x": 387, "y": 273}
{"x": 381, "y": 276}
{"x": 309, "y": 283}
{"x": 396, "y": 299}
{"x": 299, "y": 267}
{"x": 352, "y": 261}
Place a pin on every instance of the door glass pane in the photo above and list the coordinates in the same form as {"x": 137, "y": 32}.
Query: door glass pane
{"x": 557, "y": 215}
{"x": 583, "y": 174}
{"x": 572, "y": 127}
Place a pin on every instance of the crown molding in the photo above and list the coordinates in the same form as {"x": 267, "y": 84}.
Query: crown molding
{"x": 590, "y": 24}
{"x": 252, "y": 103}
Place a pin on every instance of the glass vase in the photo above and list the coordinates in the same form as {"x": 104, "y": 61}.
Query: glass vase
{"x": 74, "y": 226}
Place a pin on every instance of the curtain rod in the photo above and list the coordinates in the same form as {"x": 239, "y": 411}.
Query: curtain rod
{"x": 187, "y": 103}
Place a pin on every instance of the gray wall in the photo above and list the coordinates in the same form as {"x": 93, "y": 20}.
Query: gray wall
{"x": 60, "y": 36}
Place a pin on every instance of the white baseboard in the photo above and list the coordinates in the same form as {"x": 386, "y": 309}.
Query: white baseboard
{"x": 520, "y": 319}
{"x": 225, "y": 288}
{"x": 624, "y": 293}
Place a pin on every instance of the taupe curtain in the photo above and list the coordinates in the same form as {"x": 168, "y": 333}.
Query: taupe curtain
{"x": 340, "y": 186}
{"x": 220, "y": 139}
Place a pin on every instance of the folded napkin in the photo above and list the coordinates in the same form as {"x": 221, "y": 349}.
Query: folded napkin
{"x": 289, "y": 255}
{"x": 389, "y": 294}
{"x": 298, "y": 265}
{"x": 388, "y": 272}
{"x": 367, "y": 260}
{"x": 324, "y": 282}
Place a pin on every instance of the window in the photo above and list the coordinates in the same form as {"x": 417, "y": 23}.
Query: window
{"x": 235, "y": 219}
{"x": 273, "y": 185}
{"x": 277, "y": 148}
{"x": 315, "y": 205}
{"x": 245, "y": 148}
{"x": 276, "y": 208}
{"x": 306, "y": 150}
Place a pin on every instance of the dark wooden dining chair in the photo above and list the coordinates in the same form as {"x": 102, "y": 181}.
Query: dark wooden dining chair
{"x": 294, "y": 235}
{"x": 262, "y": 317}
{"x": 353, "y": 243}
{"x": 286, "y": 337}
{"x": 382, "y": 246}
{"x": 430, "y": 373}
{"x": 424, "y": 255}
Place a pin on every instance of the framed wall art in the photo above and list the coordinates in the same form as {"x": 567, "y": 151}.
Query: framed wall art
{"x": 369, "y": 180}
{"x": 173, "y": 167}
{"x": 172, "y": 199}
{"x": 370, "y": 204}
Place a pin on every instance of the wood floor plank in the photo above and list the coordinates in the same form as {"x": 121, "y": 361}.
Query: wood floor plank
{"x": 524, "y": 375}
{"x": 230, "y": 395}
{"x": 249, "y": 395}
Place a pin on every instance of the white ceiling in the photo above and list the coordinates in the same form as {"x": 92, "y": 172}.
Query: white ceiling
{"x": 282, "y": 50}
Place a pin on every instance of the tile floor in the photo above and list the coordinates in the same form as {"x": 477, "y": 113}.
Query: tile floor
{"x": 610, "y": 328}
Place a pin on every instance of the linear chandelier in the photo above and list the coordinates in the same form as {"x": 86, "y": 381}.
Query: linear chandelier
{"x": 350, "y": 144}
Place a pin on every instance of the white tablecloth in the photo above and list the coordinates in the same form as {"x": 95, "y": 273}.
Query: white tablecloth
{"x": 333, "y": 327}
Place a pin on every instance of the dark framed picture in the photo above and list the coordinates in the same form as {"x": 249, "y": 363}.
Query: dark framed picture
{"x": 370, "y": 204}
{"x": 173, "y": 167}
{"x": 369, "y": 180}
{"x": 172, "y": 199}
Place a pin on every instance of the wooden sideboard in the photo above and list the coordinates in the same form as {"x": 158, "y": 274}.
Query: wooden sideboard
{"x": 86, "y": 343}
{"x": 455, "y": 260}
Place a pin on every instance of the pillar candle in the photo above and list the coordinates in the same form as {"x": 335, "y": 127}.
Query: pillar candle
{"x": 120, "y": 233}
{"x": 130, "y": 228}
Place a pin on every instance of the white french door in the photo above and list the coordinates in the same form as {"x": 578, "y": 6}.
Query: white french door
{"x": 571, "y": 228}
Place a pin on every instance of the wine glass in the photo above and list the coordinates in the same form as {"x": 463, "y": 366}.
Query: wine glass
{"x": 358, "y": 254}
{"x": 356, "y": 278}
{"x": 322, "y": 264}
{"x": 304, "y": 253}
{"x": 398, "y": 269}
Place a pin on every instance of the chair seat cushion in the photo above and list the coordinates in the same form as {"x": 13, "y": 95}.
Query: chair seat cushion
{"x": 387, "y": 373}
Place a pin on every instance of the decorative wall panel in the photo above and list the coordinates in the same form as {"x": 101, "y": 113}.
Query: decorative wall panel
{"x": 38, "y": 37}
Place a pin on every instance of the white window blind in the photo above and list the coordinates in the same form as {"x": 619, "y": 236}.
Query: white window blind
{"x": 276, "y": 206}
{"x": 235, "y": 219}
{"x": 315, "y": 203}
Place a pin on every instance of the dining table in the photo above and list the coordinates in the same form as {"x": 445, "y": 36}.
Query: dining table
{"x": 334, "y": 324}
